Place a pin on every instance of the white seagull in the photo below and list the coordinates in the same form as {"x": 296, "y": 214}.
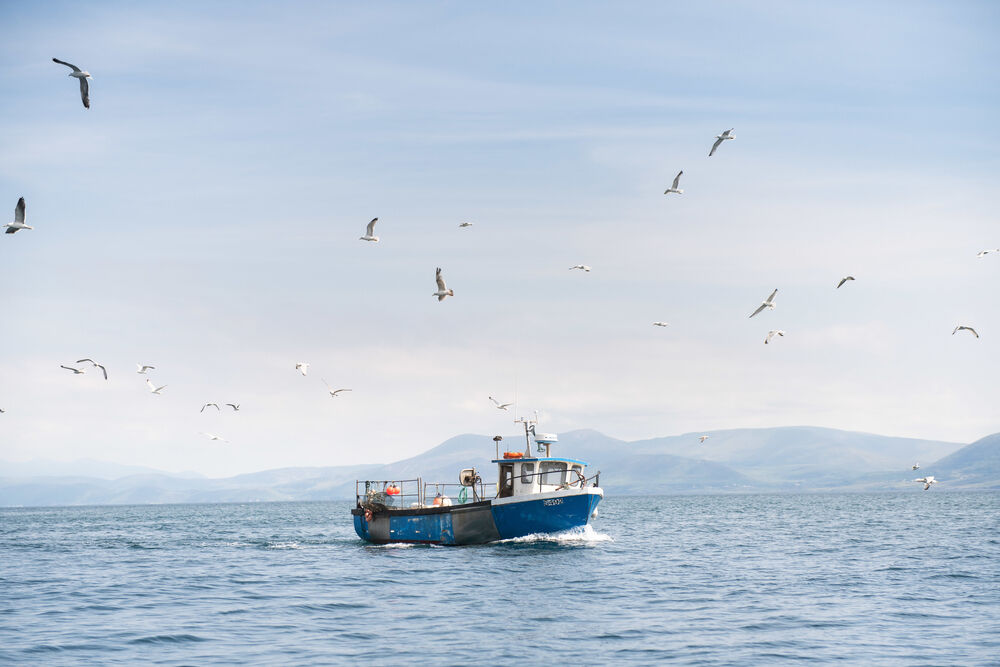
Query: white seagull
{"x": 500, "y": 406}
{"x": 661, "y": 324}
{"x": 82, "y": 76}
{"x": 212, "y": 436}
{"x": 926, "y": 481}
{"x": 76, "y": 371}
{"x": 214, "y": 405}
{"x": 702, "y": 438}
{"x": 768, "y": 303}
{"x": 961, "y": 327}
{"x": 95, "y": 365}
{"x": 142, "y": 368}
{"x": 153, "y": 388}
{"x": 772, "y": 333}
{"x": 443, "y": 290}
{"x": 844, "y": 280}
{"x": 465, "y": 224}
{"x": 673, "y": 188}
{"x": 979, "y": 254}
{"x": 302, "y": 367}
{"x": 234, "y": 406}
{"x": 915, "y": 466}
{"x": 369, "y": 232}
{"x": 719, "y": 138}
{"x": 18, "y": 218}
{"x": 582, "y": 267}
{"x": 333, "y": 392}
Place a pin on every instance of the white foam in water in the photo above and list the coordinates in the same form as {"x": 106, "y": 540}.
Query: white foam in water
{"x": 284, "y": 545}
{"x": 583, "y": 535}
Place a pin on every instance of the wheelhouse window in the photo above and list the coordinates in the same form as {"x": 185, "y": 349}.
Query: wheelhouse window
{"x": 552, "y": 472}
{"x": 576, "y": 474}
{"x": 527, "y": 473}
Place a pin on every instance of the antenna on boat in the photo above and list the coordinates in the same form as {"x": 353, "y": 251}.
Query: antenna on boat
{"x": 529, "y": 429}
{"x": 497, "y": 439}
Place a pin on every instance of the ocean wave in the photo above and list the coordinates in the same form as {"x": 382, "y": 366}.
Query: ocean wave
{"x": 580, "y": 535}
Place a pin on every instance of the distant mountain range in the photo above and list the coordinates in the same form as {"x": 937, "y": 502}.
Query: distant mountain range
{"x": 800, "y": 458}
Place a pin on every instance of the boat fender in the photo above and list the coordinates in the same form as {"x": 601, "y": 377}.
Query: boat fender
{"x": 463, "y": 495}
{"x": 369, "y": 515}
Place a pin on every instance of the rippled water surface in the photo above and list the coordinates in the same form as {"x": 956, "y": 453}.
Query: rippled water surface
{"x": 909, "y": 579}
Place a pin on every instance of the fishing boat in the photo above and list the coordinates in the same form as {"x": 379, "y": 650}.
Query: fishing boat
{"x": 533, "y": 494}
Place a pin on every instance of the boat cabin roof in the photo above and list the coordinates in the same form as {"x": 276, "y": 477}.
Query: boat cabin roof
{"x": 531, "y": 459}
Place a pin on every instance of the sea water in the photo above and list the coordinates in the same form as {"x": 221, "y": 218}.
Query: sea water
{"x": 889, "y": 579}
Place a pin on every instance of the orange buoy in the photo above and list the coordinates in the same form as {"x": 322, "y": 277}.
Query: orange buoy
{"x": 513, "y": 455}
{"x": 392, "y": 490}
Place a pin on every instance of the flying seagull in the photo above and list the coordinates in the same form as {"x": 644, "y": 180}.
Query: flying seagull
{"x": 768, "y": 303}
{"x": 915, "y": 466}
{"x": 156, "y": 390}
{"x": 980, "y": 254}
{"x": 234, "y": 406}
{"x": 142, "y": 368}
{"x": 214, "y": 405}
{"x": 673, "y": 188}
{"x": 702, "y": 438}
{"x": 772, "y": 333}
{"x": 844, "y": 280}
{"x": 500, "y": 406}
{"x": 95, "y": 365}
{"x": 76, "y": 371}
{"x": 959, "y": 328}
{"x": 333, "y": 392}
{"x": 926, "y": 481}
{"x": 661, "y": 324}
{"x": 465, "y": 224}
{"x": 719, "y": 138}
{"x": 18, "y": 218}
{"x": 212, "y": 436}
{"x": 582, "y": 267}
{"x": 302, "y": 367}
{"x": 369, "y": 232}
{"x": 82, "y": 76}
{"x": 443, "y": 290}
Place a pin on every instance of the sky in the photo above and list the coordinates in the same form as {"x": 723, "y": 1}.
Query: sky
{"x": 203, "y": 217}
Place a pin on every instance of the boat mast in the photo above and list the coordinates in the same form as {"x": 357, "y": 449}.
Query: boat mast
{"x": 529, "y": 428}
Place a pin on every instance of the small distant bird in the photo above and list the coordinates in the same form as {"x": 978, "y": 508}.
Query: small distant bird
{"x": 673, "y": 188}
{"x": 983, "y": 253}
{"x": 772, "y": 333}
{"x": 443, "y": 290}
{"x": 142, "y": 368}
{"x": 214, "y": 405}
{"x": 76, "y": 371}
{"x": 926, "y": 481}
{"x": 18, "y": 218}
{"x": 369, "y": 232}
{"x": 915, "y": 466}
{"x": 333, "y": 392}
{"x": 768, "y": 303}
{"x": 302, "y": 367}
{"x": 661, "y": 324}
{"x": 234, "y": 406}
{"x": 156, "y": 390}
{"x": 702, "y": 438}
{"x": 212, "y": 436}
{"x": 500, "y": 406}
{"x": 583, "y": 267}
{"x": 844, "y": 280}
{"x": 465, "y": 224}
{"x": 2, "y": 411}
{"x": 719, "y": 138}
{"x": 960, "y": 328}
{"x": 82, "y": 76}
{"x": 95, "y": 365}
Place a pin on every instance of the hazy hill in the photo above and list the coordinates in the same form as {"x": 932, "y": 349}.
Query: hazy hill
{"x": 740, "y": 460}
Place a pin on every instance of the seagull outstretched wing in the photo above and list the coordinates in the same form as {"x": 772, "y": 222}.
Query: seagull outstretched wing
{"x": 370, "y": 229}
{"x": 440, "y": 280}
{"x": 70, "y": 65}
{"x": 19, "y": 211}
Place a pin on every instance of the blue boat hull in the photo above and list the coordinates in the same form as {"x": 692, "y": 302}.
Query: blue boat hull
{"x": 478, "y": 523}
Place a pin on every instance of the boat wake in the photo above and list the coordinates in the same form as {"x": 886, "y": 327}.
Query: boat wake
{"x": 580, "y": 535}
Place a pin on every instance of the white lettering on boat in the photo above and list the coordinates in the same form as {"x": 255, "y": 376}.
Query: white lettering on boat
{"x": 552, "y": 501}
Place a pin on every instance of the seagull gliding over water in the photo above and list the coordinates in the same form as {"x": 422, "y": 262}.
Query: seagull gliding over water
{"x": 302, "y": 367}
{"x": 661, "y": 324}
{"x": 82, "y": 76}
{"x": 156, "y": 390}
{"x": 983, "y": 253}
{"x": 500, "y": 406}
{"x": 772, "y": 333}
{"x": 926, "y": 481}
{"x": 582, "y": 267}
{"x": 18, "y": 218}
{"x": 961, "y": 327}
{"x": 719, "y": 138}
{"x": 370, "y": 232}
{"x": 142, "y": 368}
{"x": 768, "y": 303}
{"x": 95, "y": 365}
{"x": 673, "y": 188}
{"x": 844, "y": 280}
{"x": 443, "y": 290}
